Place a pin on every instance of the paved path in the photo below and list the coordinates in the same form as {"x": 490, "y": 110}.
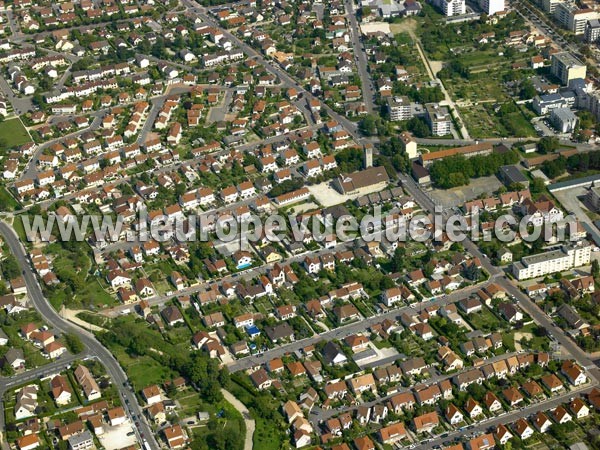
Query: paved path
{"x": 71, "y": 316}
{"x": 250, "y": 424}
{"x": 448, "y": 99}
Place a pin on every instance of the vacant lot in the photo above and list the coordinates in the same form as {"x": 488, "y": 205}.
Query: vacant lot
{"x": 12, "y": 134}
{"x": 459, "y": 195}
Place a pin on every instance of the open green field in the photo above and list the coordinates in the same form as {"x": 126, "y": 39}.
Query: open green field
{"x": 485, "y": 321}
{"x": 12, "y": 134}
{"x": 143, "y": 370}
{"x": 266, "y": 435}
{"x": 478, "y": 89}
{"x": 7, "y": 201}
{"x": 483, "y": 123}
{"x": 230, "y": 422}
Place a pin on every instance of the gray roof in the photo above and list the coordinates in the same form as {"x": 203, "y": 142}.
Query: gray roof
{"x": 567, "y": 59}
{"x": 330, "y": 351}
{"x": 279, "y": 331}
{"x": 546, "y": 256}
{"x": 564, "y": 114}
{"x": 13, "y": 354}
{"x": 573, "y": 183}
{"x": 78, "y": 439}
{"x": 513, "y": 174}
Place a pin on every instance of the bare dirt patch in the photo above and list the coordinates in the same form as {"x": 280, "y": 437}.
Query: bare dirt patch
{"x": 405, "y": 26}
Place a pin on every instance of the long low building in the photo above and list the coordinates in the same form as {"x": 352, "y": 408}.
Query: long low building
{"x": 552, "y": 261}
{"x": 293, "y": 197}
{"x": 485, "y": 148}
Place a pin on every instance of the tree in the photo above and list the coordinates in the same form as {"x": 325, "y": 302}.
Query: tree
{"x": 74, "y": 344}
{"x": 537, "y": 185}
{"x": 595, "y": 268}
{"x": 472, "y": 272}
{"x": 10, "y": 268}
{"x": 204, "y": 373}
{"x": 555, "y": 168}
{"x": 548, "y": 144}
{"x": 399, "y": 261}
{"x": 418, "y": 127}
{"x": 527, "y": 90}
{"x": 368, "y": 125}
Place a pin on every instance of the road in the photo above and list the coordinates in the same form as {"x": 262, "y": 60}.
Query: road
{"x": 362, "y": 64}
{"x": 272, "y": 68}
{"x": 347, "y": 330}
{"x": 20, "y": 104}
{"x": 544, "y": 26}
{"x": 93, "y": 347}
{"x": 8, "y": 383}
{"x": 524, "y": 301}
{"x": 506, "y": 418}
{"x": 325, "y": 414}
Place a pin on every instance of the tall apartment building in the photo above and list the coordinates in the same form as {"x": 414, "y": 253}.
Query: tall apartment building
{"x": 592, "y": 30}
{"x": 451, "y": 7}
{"x": 566, "y": 67}
{"x": 552, "y": 261}
{"x": 594, "y": 105}
{"x": 573, "y": 18}
{"x": 549, "y": 6}
{"x": 438, "y": 119}
{"x": 491, "y": 7}
{"x": 399, "y": 108}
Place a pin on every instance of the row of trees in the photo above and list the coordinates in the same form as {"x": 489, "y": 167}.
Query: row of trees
{"x": 458, "y": 170}
{"x": 577, "y": 163}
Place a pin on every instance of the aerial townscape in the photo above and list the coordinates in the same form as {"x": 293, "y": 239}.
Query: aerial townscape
{"x": 174, "y": 177}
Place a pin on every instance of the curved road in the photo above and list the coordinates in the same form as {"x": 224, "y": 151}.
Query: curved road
{"x": 93, "y": 347}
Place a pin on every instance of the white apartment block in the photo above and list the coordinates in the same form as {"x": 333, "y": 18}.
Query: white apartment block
{"x": 399, "y": 108}
{"x": 450, "y": 7}
{"x": 491, "y": 7}
{"x": 438, "y": 119}
{"x": 549, "y": 6}
{"x": 573, "y": 18}
{"x": 567, "y": 67}
{"x": 552, "y": 261}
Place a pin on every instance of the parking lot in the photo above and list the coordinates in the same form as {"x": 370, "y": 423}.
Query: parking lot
{"x": 120, "y": 436}
{"x": 326, "y": 195}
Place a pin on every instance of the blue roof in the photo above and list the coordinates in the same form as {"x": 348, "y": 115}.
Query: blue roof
{"x": 252, "y": 330}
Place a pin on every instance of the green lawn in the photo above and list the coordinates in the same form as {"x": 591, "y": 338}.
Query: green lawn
{"x": 485, "y": 321}
{"x": 143, "y": 370}
{"x": 266, "y": 435}
{"x": 12, "y": 134}
{"x": 20, "y": 230}
{"x": 96, "y": 295}
{"x": 7, "y": 201}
